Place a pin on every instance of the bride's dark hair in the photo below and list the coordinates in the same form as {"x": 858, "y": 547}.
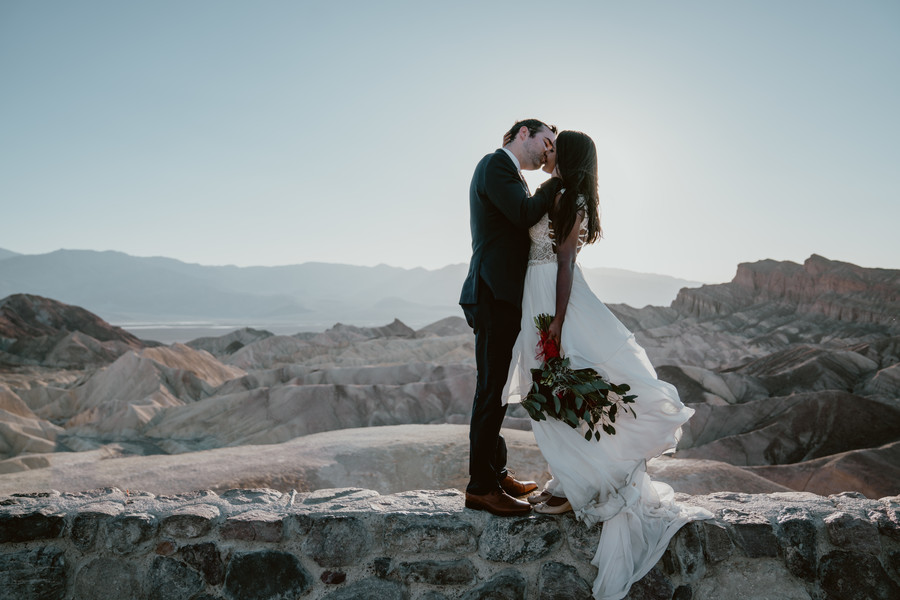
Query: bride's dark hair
{"x": 576, "y": 159}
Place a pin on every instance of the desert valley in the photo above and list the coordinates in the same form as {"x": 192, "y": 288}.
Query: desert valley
{"x": 794, "y": 372}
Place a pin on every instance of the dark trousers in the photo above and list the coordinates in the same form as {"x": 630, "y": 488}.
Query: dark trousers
{"x": 496, "y": 324}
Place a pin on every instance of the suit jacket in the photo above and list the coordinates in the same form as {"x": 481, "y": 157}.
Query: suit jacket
{"x": 500, "y": 213}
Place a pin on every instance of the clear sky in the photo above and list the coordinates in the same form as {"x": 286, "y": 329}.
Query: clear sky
{"x": 271, "y": 133}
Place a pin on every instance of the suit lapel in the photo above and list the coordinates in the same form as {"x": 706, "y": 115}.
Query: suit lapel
{"x": 519, "y": 171}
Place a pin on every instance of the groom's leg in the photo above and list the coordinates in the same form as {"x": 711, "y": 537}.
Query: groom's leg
{"x": 496, "y": 326}
{"x": 500, "y": 455}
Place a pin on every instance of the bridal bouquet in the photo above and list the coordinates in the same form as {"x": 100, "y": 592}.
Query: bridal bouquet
{"x": 572, "y": 395}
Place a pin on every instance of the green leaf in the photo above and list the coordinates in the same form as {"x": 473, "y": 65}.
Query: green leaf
{"x": 557, "y": 403}
{"x": 587, "y": 435}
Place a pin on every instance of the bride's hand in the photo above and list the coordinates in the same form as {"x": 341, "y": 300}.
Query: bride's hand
{"x": 555, "y": 329}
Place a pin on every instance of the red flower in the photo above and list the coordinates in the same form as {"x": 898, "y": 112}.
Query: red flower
{"x": 547, "y": 347}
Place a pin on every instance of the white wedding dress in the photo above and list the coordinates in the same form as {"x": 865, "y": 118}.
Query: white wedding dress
{"x": 604, "y": 480}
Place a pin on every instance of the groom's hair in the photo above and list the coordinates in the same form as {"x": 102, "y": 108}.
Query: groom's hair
{"x": 533, "y": 126}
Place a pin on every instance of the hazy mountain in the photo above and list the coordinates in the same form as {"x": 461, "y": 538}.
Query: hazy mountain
{"x": 123, "y": 288}
{"x": 618, "y": 286}
{"x": 7, "y": 253}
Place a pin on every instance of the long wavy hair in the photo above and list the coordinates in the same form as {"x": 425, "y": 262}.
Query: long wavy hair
{"x": 576, "y": 159}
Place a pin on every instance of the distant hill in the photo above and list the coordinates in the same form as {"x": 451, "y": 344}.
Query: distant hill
{"x": 127, "y": 289}
{"x": 7, "y": 253}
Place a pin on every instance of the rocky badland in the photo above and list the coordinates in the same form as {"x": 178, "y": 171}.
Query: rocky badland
{"x": 794, "y": 371}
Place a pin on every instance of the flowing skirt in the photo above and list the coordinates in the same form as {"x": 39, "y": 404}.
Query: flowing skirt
{"x": 606, "y": 480}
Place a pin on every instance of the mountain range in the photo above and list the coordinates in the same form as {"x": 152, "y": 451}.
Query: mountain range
{"x": 793, "y": 371}
{"x": 125, "y": 289}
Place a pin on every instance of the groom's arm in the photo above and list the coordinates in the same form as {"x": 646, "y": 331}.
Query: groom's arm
{"x": 505, "y": 191}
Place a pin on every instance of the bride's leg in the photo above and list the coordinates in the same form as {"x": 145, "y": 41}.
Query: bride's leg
{"x": 555, "y": 486}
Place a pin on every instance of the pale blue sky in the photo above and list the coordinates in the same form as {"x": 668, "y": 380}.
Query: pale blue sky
{"x": 269, "y": 133}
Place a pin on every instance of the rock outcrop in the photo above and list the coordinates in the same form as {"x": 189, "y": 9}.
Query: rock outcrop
{"x": 40, "y": 331}
{"x": 837, "y": 290}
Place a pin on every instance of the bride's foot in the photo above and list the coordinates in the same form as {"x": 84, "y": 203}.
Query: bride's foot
{"x": 541, "y": 496}
{"x": 556, "y": 505}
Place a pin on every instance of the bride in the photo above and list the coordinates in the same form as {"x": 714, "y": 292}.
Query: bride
{"x": 600, "y": 480}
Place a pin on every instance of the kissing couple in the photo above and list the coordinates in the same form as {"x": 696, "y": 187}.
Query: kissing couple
{"x": 524, "y": 263}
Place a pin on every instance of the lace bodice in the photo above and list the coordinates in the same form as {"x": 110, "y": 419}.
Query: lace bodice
{"x": 543, "y": 240}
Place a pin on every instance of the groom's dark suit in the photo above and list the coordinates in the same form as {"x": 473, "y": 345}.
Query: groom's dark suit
{"x": 501, "y": 211}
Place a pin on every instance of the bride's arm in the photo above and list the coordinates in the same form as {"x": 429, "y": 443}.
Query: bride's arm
{"x": 566, "y": 253}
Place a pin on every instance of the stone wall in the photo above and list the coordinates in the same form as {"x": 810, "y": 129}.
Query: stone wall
{"x": 351, "y": 543}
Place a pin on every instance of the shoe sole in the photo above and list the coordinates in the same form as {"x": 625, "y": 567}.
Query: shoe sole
{"x": 516, "y": 495}
{"x": 520, "y": 513}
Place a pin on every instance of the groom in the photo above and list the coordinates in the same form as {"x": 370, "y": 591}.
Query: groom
{"x": 501, "y": 210}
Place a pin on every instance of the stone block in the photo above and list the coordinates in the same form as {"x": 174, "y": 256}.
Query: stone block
{"x": 254, "y": 526}
{"x": 685, "y": 554}
{"x": 190, "y": 521}
{"x": 652, "y": 586}
{"x": 38, "y": 574}
{"x": 23, "y": 525}
{"x": 336, "y": 541}
{"x": 752, "y": 534}
{"x": 683, "y": 592}
{"x": 505, "y": 585}
{"x": 414, "y": 533}
{"x": 717, "y": 544}
{"x": 742, "y": 578}
{"x": 893, "y": 563}
{"x": 855, "y": 576}
{"x": 519, "y": 540}
{"x": 206, "y": 559}
{"x": 87, "y": 523}
{"x": 252, "y": 496}
{"x": 296, "y": 526}
{"x": 797, "y": 534}
{"x": 107, "y": 579}
{"x": 559, "y": 581}
{"x": 265, "y": 575}
{"x": 852, "y": 533}
{"x": 583, "y": 542}
{"x": 170, "y": 579}
{"x": 370, "y": 589}
{"x": 127, "y": 533}
{"x": 166, "y": 548}
{"x": 381, "y": 566}
{"x": 888, "y": 521}
{"x": 340, "y": 498}
{"x": 435, "y": 572}
{"x": 333, "y": 577}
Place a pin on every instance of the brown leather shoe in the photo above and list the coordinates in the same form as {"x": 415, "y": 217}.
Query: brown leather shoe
{"x": 497, "y": 503}
{"x": 516, "y": 488}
